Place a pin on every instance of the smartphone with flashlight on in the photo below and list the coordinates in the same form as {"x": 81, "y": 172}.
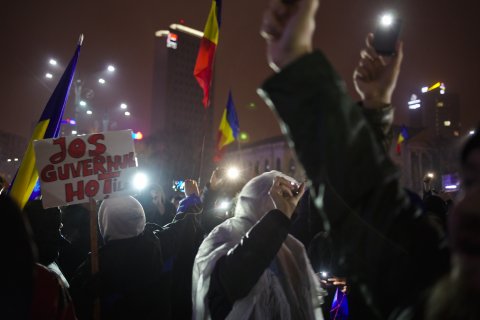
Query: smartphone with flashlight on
{"x": 386, "y": 34}
{"x": 179, "y": 186}
{"x": 295, "y": 188}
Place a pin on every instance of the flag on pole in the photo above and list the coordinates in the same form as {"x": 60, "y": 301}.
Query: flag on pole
{"x": 402, "y": 136}
{"x": 228, "y": 130}
{"x": 203, "y": 70}
{"x": 47, "y": 127}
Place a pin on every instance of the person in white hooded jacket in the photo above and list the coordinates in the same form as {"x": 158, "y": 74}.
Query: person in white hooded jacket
{"x": 130, "y": 283}
{"x": 249, "y": 267}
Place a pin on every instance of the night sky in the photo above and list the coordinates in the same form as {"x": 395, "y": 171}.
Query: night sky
{"x": 441, "y": 44}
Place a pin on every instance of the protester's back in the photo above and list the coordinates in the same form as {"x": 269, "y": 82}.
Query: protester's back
{"x": 129, "y": 282}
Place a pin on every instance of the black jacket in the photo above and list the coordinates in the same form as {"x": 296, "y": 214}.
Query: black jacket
{"x": 387, "y": 249}
{"x": 237, "y": 273}
{"x": 130, "y": 282}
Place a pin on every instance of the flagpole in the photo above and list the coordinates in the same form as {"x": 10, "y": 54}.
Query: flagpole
{"x": 94, "y": 264}
{"x": 202, "y": 151}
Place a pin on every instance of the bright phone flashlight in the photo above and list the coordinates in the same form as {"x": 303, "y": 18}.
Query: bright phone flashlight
{"x": 386, "y": 20}
{"x": 233, "y": 173}
{"x": 140, "y": 181}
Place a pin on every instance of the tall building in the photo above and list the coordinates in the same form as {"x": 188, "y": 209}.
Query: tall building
{"x": 436, "y": 109}
{"x": 181, "y": 127}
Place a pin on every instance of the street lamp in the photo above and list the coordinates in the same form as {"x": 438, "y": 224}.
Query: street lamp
{"x": 82, "y": 103}
{"x": 53, "y": 62}
{"x": 101, "y": 81}
{"x": 89, "y": 112}
{"x": 127, "y": 113}
{"x": 123, "y": 106}
{"x": 111, "y": 68}
{"x": 48, "y": 75}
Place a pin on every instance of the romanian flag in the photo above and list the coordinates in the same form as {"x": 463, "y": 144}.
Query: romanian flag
{"x": 402, "y": 136}
{"x": 203, "y": 71}
{"x": 228, "y": 130}
{"x": 47, "y": 127}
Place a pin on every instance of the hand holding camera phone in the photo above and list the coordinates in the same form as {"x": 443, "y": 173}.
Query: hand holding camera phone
{"x": 295, "y": 188}
{"x": 386, "y": 35}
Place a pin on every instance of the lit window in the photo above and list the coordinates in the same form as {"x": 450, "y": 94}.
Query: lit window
{"x": 440, "y": 104}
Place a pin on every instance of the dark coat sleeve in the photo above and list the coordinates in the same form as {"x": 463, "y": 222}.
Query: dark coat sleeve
{"x": 374, "y": 227}
{"x": 236, "y": 273}
{"x": 380, "y": 121}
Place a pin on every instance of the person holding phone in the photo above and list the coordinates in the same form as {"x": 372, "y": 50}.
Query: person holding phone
{"x": 385, "y": 247}
{"x": 249, "y": 267}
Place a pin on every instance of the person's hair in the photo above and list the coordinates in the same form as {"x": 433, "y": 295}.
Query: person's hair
{"x": 159, "y": 189}
{"x": 452, "y": 299}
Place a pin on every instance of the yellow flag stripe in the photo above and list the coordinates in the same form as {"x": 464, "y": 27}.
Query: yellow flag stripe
{"x": 211, "y": 30}
{"x": 226, "y": 132}
{"x": 27, "y": 174}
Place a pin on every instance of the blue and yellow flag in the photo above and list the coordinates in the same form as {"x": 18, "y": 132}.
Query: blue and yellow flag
{"x": 47, "y": 127}
{"x": 229, "y": 128}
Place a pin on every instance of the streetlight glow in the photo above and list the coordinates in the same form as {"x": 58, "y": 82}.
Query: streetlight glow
{"x": 48, "y": 75}
{"x": 243, "y": 136}
{"x": 53, "y": 62}
{"x": 82, "y": 103}
{"x": 89, "y": 112}
{"x": 111, "y": 68}
{"x": 127, "y": 113}
{"x": 9, "y": 160}
{"x": 16, "y": 159}
{"x": 123, "y": 106}
{"x": 101, "y": 81}
{"x": 471, "y": 132}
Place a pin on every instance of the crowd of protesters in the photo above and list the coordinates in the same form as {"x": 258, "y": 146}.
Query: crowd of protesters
{"x": 394, "y": 254}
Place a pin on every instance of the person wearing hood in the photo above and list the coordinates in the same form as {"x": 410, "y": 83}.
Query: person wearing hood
{"x": 249, "y": 267}
{"x": 46, "y": 225}
{"x": 29, "y": 290}
{"x": 129, "y": 281}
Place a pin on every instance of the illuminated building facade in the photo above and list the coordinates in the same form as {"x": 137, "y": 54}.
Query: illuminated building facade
{"x": 435, "y": 108}
{"x": 262, "y": 156}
